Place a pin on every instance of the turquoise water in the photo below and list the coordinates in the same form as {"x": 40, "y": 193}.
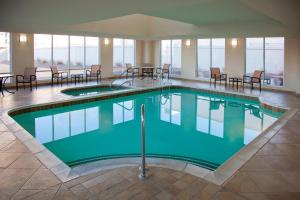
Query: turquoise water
{"x": 92, "y": 90}
{"x": 201, "y": 128}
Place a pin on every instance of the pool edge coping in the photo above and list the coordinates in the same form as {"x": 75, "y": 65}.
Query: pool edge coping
{"x": 218, "y": 176}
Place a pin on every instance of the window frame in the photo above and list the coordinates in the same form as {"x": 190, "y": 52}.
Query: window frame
{"x": 123, "y": 55}
{"x": 171, "y": 56}
{"x": 211, "y": 55}
{"x": 9, "y": 53}
{"x": 69, "y": 67}
{"x": 264, "y": 59}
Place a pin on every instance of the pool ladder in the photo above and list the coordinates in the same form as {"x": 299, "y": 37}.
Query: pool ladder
{"x": 123, "y": 83}
{"x": 143, "y": 169}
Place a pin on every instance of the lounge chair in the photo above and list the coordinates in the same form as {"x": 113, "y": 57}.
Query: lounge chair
{"x": 94, "y": 72}
{"x": 256, "y": 78}
{"x": 59, "y": 76}
{"x": 29, "y": 76}
{"x": 131, "y": 71}
{"x": 164, "y": 70}
{"x": 216, "y": 75}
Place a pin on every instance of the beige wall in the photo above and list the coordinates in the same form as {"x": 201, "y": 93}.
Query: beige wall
{"x": 189, "y": 59}
{"x": 22, "y": 53}
{"x": 235, "y": 58}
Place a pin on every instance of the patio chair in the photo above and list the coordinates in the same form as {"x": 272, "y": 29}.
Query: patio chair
{"x": 216, "y": 75}
{"x": 164, "y": 70}
{"x": 95, "y": 71}
{"x": 59, "y": 76}
{"x": 256, "y": 78}
{"x": 131, "y": 71}
{"x": 29, "y": 76}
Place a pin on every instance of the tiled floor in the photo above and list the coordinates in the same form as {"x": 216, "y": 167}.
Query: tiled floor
{"x": 273, "y": 173}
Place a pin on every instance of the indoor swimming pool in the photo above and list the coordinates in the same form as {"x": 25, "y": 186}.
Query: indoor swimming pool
{"x": 201, "y": 128}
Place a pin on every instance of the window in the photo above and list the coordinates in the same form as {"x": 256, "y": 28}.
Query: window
{"x": 71, "y": 53}
{"x": 91, "y": 51}
{"x": 210, "y": 53}
{"x": 254, "y": 55}
{"x": 171, "y": 54}
{"x": 43, "y": 54}
{"x": 61, "y": 51}
{"x": 123, "y": 52}
{"x": 77, "y": 52}
{"x": 266, "y": 54}
{"x": 274, "y": 60}
{"x": 5, "y": 52}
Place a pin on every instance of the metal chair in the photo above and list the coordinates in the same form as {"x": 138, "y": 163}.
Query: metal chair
{"x": 256, "y": 78}
{"x": 29, "y": 76}
{"x": 164, "y": 70}
{"x": 95, "y": 71}
{"x": 216, "y": 75}
{"x": 55, "y": 74}
{"x": 131, "y": 71}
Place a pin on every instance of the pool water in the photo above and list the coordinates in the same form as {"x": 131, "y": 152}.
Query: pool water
{"x": 92, "y": 90}
{"x": 201, "y": 128}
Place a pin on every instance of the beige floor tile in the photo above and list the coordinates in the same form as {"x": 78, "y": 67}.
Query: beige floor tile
{"x": 42, "y": 179}
{"x": 11, "y": 180}
{"x": 271, "y": 181}
{"x": 8, "y": 158}
{"x": 241, "y": 183}
{"x": 26, "y": 160}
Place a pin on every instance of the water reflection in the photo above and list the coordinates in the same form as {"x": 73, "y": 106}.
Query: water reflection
{"x": 58, "y": 126}
{"x": 210, "y": 116}
{"x": 170, "y": 109}
{"x": 186, "y": 125}
{"x": 123, "y": 112}
{"x": 214, "y": 114}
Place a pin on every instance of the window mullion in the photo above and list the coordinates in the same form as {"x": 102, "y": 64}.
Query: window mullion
{"x": 52, "y": 50}
{"x": 264, "y": 54}
{"x": 210, "y": 47}
{"x": 84, "y": 52}
{"x": 69, "y": 47}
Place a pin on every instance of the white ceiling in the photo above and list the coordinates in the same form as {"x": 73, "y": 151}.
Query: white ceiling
{"x": 150, "y": 19}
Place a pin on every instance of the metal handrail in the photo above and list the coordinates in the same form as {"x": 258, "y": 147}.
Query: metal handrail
{"x": 143, "y": 175}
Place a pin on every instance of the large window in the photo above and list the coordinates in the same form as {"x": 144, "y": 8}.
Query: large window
{"x": 5, "y": 52}
{"x": 76, "y": 52}
{"x": 266, "y": 54}
{"x": 91, "y": 51}
{"x": 210, "y": 53}
{"x": 123, "y": 52}
{"x": 171, "y": 54}
{"x": 72, "y": 53}
{"x": 61, "y": 51}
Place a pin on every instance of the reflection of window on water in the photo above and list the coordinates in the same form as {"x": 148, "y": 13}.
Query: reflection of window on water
{"x": 255, "y": 122}
{"x": 123, "y": 112}
{"x": 210, "y": 116}
{"x": 170, "y": 109}
{"x": 59, "y": 126}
